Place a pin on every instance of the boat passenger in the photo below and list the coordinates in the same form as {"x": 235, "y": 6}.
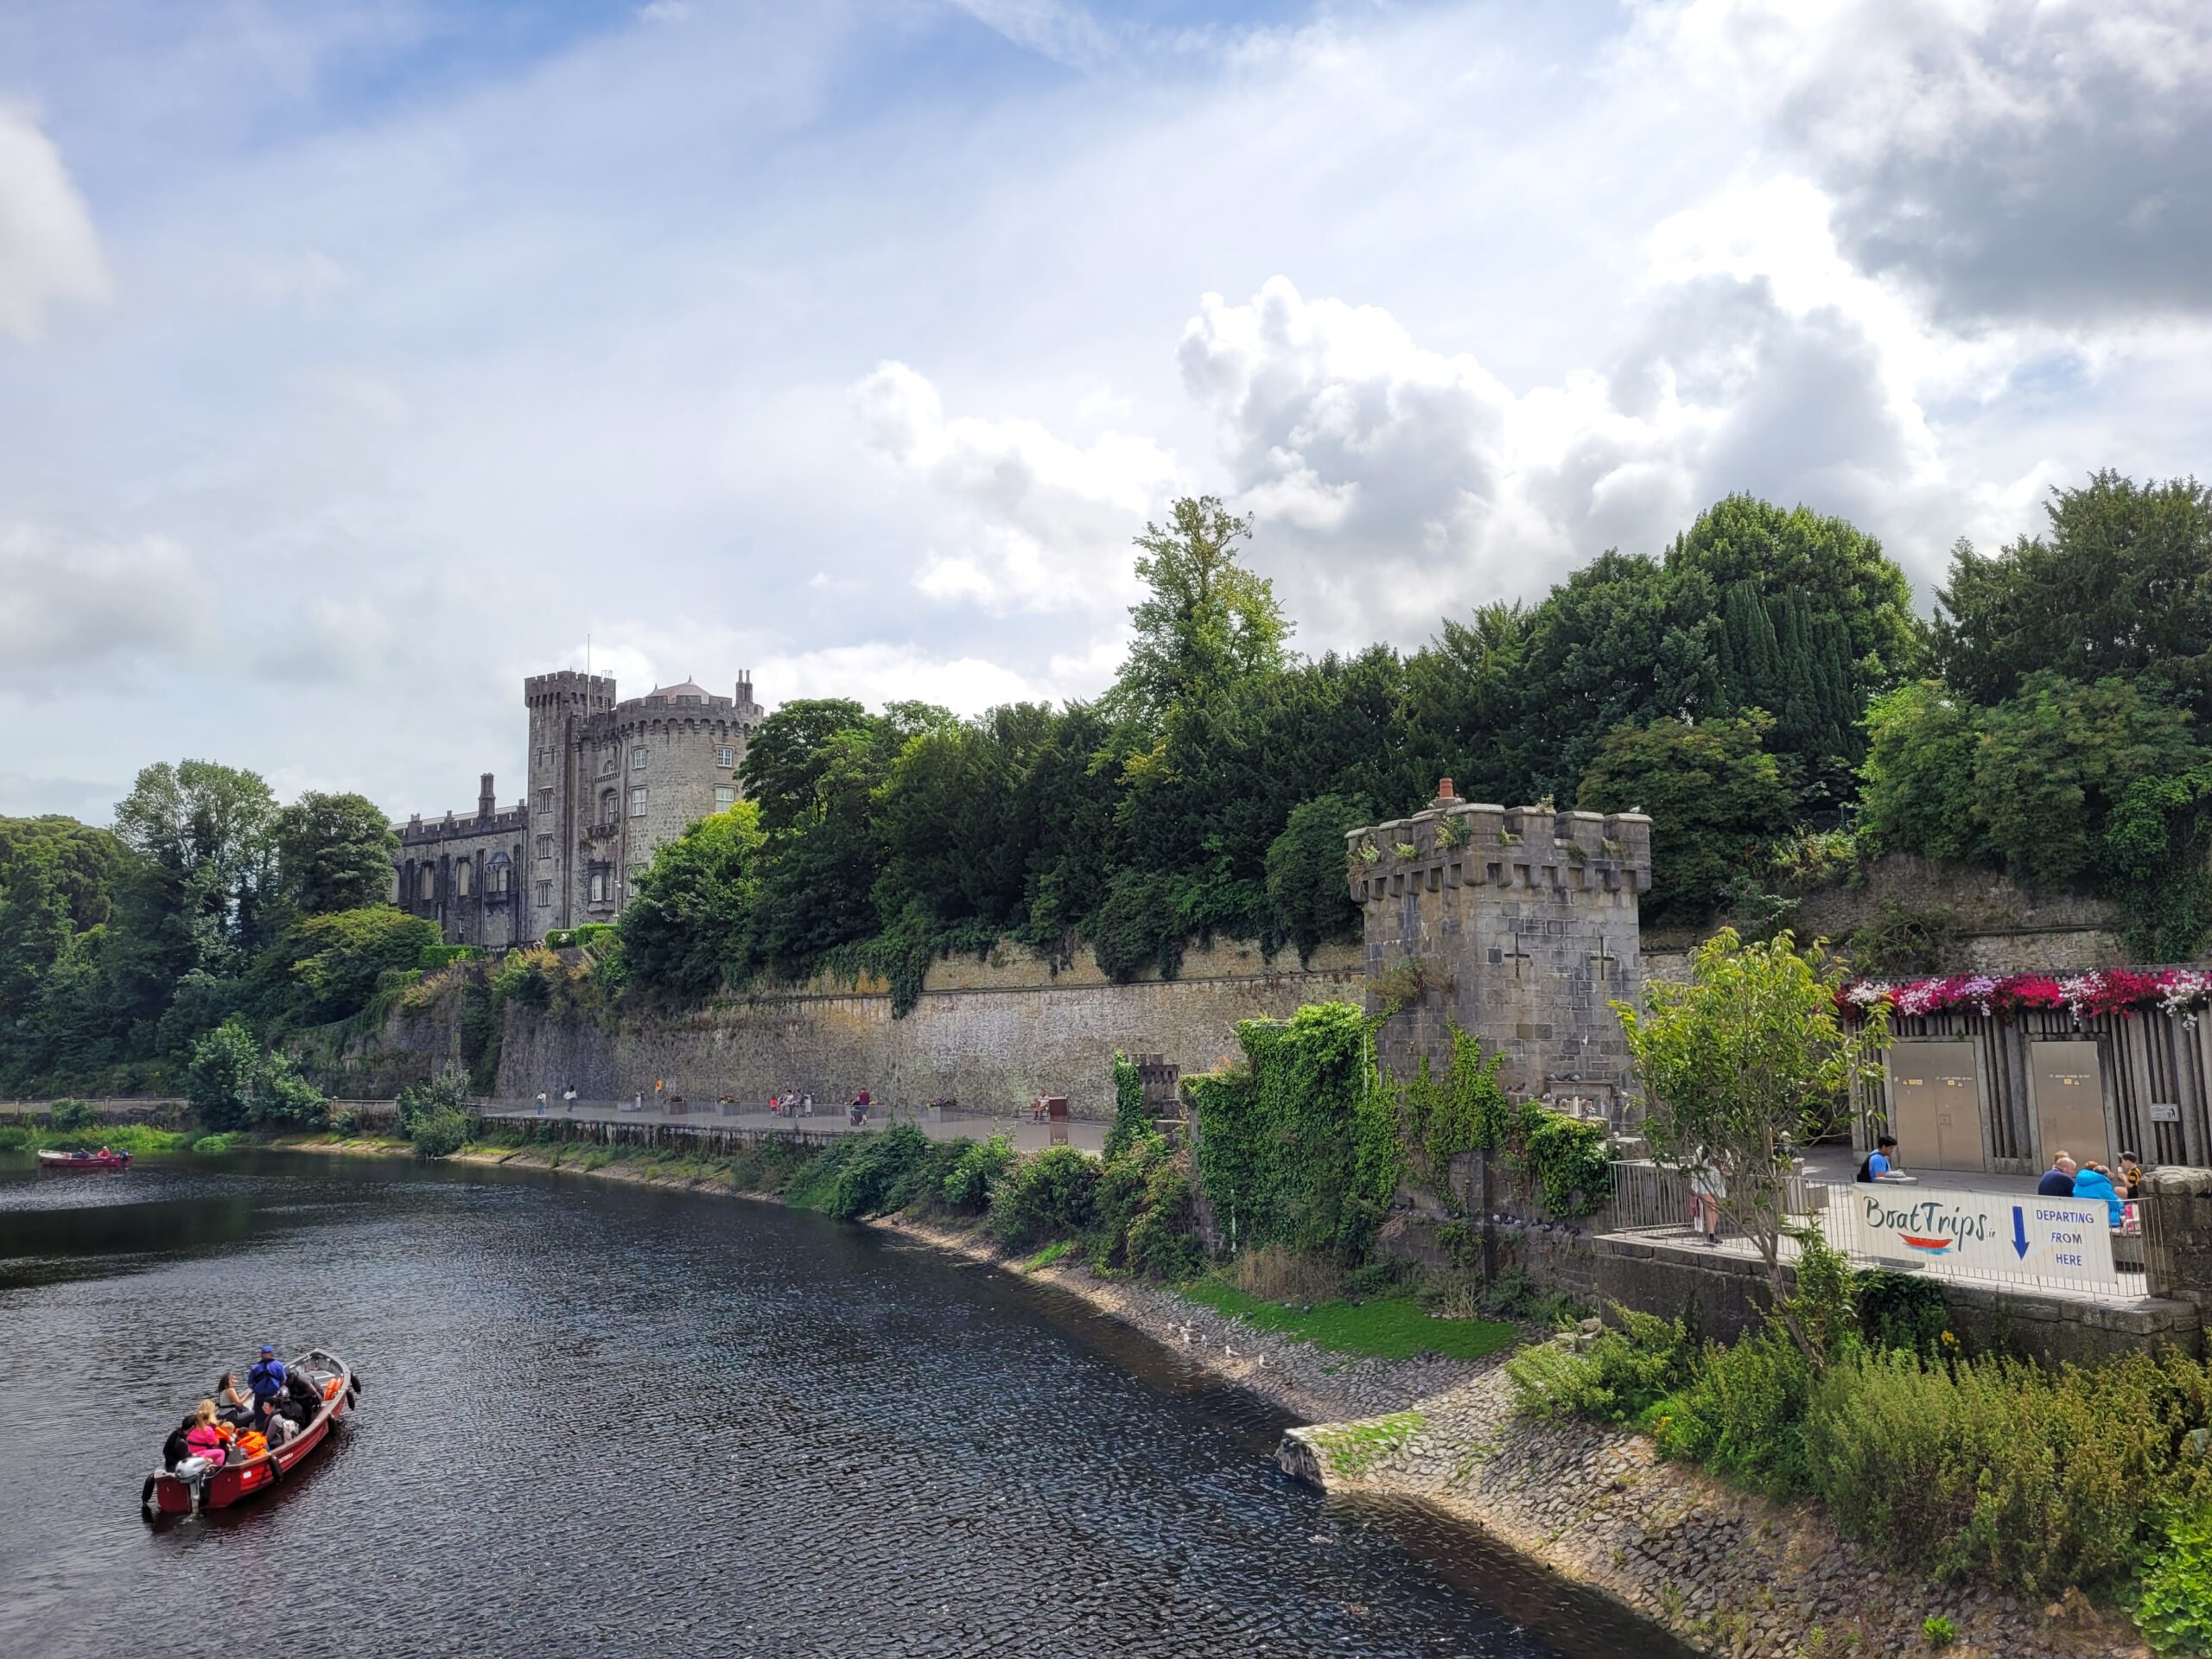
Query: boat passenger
{"x": 232, "y": 1404}
{"x": 305, "y": 1398}
{"x": 205, "y": 1438}
{"x": 174, "y": 1450}
{"x": 266, "y": 1377}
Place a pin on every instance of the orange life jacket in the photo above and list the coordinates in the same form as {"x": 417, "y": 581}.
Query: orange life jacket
{"x": 252, "y": 1443}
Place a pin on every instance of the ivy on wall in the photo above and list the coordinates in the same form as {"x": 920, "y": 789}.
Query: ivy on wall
{"x": 1131, "y": 1117}
{"x": 1301, "y": 1147}
{"x": 1467, "y": 1111}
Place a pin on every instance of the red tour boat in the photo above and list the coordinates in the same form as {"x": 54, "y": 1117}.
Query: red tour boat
{"x": 103, "y": 1158}
{"x": 168, "y": 1493}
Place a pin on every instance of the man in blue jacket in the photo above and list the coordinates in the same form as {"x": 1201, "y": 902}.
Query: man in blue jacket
{"x": 2058, "y": 1180}
{"x": 266, "y": 1378}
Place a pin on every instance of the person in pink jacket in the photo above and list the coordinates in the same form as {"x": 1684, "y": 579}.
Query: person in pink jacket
{"x": 202, "y": 1439}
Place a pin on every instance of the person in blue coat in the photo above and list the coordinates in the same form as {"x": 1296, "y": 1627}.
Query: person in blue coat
{"x": 2093, "y": 1181}
{"x": 266, "y": 1378}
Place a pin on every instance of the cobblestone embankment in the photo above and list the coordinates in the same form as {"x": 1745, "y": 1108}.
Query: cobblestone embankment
{"x": 1732, "y": 1574}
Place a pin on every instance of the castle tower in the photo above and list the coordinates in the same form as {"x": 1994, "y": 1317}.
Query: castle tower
{"x": 562, "y": 707}
{"x": 1518, "y": 923}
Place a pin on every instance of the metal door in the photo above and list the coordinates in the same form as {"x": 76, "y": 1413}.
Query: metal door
{"x": 2069, "y": 1094}
{"x": 1936, "y": 1102}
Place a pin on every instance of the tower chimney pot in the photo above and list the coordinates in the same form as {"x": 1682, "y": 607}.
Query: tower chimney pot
{"x": 1443, "y": 789}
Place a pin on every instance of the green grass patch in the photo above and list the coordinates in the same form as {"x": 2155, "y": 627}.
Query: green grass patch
{"x": 136, "y": 1139}
{"x": 1355, "y": 1448}
{"x": 210, "y": 1146}
{"x": 1396, "y": 1327}
{"x": 1056, "y": 1251}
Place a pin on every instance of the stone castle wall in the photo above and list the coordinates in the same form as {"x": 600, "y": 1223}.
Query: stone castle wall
{"x": 988, "y": 1034}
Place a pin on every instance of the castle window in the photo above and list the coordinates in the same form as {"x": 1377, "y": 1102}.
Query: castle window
{"x": 609, "y": 808}
{"x": 725, "y": 796}
{"x": 609, "y": 761}
{"x": 429, "y": 884}
{"x": 725, "y": 758}
{"x": 545, "y": 800}
{"x": 545, "y": 895}
{"x": 637, "y": 758}
{"x": 495, "y": 878}
{"x": 599, "y": 887}
{"x": 637, "y": 802}
{"x": 460, "y": 880}
{"x": 545, "y": 759}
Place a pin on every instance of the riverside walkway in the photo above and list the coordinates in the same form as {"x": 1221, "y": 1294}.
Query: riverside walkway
{"x": 1026, "y": 1134}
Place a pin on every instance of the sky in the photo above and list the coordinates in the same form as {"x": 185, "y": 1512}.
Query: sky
{"x": 358, "y": 359}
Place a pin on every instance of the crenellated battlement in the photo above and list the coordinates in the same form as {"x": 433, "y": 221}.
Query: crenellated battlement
{"x": 1516, "y": 923}
{"x": 1454, "y": 843}
{"x": 569, "y": 687}
{"x": 419, "y": 831}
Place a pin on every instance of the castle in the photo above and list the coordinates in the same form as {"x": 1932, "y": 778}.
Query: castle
{"x": 609, "y": 782}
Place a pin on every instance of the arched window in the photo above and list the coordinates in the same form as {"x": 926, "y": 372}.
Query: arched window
{"x": 429, "y": 884}
{"x": 609, "y": 806}
{"x": 460, "y": 880}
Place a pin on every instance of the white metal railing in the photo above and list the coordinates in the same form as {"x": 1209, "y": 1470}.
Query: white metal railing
{"x": 1658, "y": 1202}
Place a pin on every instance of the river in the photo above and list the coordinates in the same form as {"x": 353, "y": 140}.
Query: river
{"x": 606, "y": 1419}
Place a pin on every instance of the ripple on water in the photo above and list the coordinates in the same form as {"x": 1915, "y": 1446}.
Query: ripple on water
{"x": 611, "y": 1419}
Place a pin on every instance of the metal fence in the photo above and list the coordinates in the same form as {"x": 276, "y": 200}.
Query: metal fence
{"x": 1659, "y": 1204}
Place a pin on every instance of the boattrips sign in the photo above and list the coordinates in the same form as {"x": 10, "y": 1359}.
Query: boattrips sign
{"x": 2052, "y": 1238}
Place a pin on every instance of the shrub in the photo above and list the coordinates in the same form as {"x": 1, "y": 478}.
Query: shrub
{"x": 233, "y": 1083}
{"x": 967, "y": 1185}
{"x": 1938, "y": 1632}
{"x": 14, "y": 1137}
{"x": 2037, "y": 1480}
{"x": 442, "y": 1133}
{"x": 345, "y": 1124}
{"x": 447, "y": 1093}
{"x": 2175, "y": 1608}
{"x": 71, "y": 1115}
{"x": 1622, "y": 1375}
{"x": 1905, "y": 1310}
{"x": 435, "y": 956}
{"x": 1054, "y": 1195}
{"x": 1743, "y": 1416}
{"x": 872, "y": 1180}
{"x": 1163, "y": 1241}
{"x": 211, "y": 1146}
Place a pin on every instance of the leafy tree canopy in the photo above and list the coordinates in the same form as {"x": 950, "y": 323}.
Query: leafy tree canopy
{"x": 333, "y": 852}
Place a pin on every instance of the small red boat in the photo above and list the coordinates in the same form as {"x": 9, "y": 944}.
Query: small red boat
{"x": 170, "y": 1493}
{"x": 103, "y": 1158}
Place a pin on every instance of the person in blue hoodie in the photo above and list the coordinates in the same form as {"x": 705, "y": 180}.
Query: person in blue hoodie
{"x": 2094, "y": 1181}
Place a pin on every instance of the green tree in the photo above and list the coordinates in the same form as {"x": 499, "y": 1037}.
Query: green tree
{"x": 1714, "y": 795}
{"x": 1798, "y": 613}
{"x": 1916, "y": 788}
{"x": 1208, "y": 624}
{"x": 788, "y": 753}
{"x": 688, "y": 928}
{"x": 2121, "y": 586}
{"x": 207, "y": 834}
{"x": 233, "y": 1083}
{"x": 325, "y": 967}
{"x": 1742, "y": 1064}
{"x": 1308, "y": 897}
{"x": 2053, "y": 762}
{"x": 333, "y": 852}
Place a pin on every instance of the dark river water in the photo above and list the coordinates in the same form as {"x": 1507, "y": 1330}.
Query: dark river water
{"x": 599, "y": 1419}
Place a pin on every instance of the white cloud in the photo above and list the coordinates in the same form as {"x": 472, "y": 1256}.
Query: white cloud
{"x": 48, "y": 250}
{"x": 2038, "y": 158}
{"x": 88, "y": 617}
{"x": 1038, "y": 523}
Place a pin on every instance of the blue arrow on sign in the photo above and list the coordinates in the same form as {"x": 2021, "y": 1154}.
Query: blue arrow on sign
{"x": 2020, "y": 1232}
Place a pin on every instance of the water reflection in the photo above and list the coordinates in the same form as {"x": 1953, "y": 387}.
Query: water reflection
{"x": 603, "y": 1419}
